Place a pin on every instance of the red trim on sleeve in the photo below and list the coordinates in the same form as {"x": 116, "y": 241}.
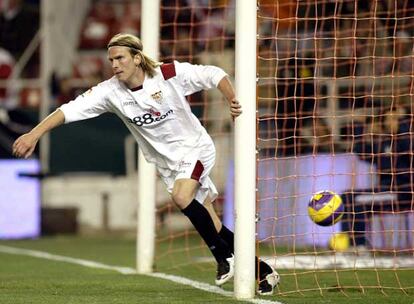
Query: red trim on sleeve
{"x": 168, "y": 70}
{"x": 198, "y": 170}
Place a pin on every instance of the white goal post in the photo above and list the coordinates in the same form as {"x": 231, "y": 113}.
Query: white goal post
{"x": 150, "y": 29}
{"x": 245, "y": 149}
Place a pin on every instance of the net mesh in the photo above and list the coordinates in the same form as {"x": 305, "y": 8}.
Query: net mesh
{"x": 334, "y": 102}
{"x": 334, "y": 113}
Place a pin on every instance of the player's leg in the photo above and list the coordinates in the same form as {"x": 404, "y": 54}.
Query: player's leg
{"x": 268, "y": 276}
{"x": 208, "y": 204}
{"x": 183, "y": 195}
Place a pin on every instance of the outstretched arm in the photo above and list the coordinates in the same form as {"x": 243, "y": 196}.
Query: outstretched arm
{"x": 195, "y": 78}
{"x": 226, "y": 88}
{"x": 25, "y": 144}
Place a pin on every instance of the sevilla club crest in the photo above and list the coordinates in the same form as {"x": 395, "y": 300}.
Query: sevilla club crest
{"x": 157, "y": 96}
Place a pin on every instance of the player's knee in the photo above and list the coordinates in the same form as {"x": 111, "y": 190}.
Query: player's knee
{"x": 181, "y": 199}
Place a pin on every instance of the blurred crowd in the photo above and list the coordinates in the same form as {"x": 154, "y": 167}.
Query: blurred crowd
{"x": 365, "y": 46}
{"x": 19, "y": 23}
{"x": 323, "y": 63}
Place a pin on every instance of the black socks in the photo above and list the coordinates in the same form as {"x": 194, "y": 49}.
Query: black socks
{"x": 228, "y": 236}
{"x": 202, "y": 222}
{"x": 221, "y": 244}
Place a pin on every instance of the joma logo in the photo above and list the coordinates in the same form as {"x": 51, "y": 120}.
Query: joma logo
{"x": 129, "y": 103}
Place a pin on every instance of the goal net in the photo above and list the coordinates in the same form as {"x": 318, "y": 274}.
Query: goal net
{"x": 333, "y": 113}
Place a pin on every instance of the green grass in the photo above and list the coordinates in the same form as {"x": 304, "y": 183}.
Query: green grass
{"x": 31, "y": 280}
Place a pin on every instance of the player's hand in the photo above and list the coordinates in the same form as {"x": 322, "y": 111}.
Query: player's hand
{"x": 235, "y": 108}
{"x": 25, "y": 145}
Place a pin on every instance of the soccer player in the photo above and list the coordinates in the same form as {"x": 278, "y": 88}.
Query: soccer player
{"x": 150, "y": 98}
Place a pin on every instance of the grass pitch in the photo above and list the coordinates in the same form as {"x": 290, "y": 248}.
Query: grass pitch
{"x": 25, "y": 279}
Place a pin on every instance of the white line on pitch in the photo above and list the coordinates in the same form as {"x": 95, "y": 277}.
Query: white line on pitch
{"x": 127, "y": 270}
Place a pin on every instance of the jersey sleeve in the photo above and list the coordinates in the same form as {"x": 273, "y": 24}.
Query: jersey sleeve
{"x": 194, "y": 78}
{"x": 90, "y": 104}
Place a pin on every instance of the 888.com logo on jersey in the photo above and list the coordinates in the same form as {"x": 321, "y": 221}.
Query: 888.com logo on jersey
{"x": 149, "y": 118}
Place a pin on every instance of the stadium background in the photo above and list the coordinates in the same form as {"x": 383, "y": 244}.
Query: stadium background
{"x": 320, "y": 65}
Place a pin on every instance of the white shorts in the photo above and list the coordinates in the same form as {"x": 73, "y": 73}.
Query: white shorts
{"x": 196, "y": 165}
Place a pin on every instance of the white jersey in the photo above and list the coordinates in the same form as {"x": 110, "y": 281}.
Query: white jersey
{"x": 157, "y": 114}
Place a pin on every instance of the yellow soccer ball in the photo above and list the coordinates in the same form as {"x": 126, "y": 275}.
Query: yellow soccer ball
{"x": 325, "y": 208}
{"x": 339, "y": 241}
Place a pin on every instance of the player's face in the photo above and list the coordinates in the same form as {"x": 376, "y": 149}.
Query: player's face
{"x": 124, "y": 66}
